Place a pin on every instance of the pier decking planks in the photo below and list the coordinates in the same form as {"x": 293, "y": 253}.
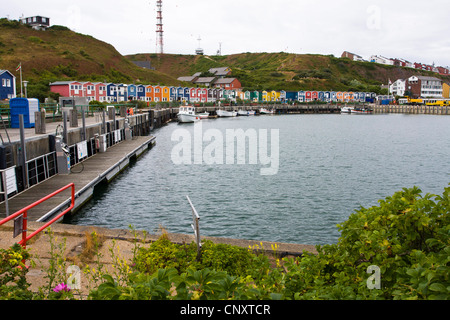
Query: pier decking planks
{"x": 85, "y": 176}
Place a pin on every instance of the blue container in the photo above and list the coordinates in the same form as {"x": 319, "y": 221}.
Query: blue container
{"x": 24, "y": 106}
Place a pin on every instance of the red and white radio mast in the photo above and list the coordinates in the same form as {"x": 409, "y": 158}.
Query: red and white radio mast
{"x": 159, "y": 28}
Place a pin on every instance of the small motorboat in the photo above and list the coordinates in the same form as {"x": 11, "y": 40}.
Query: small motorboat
{"x": 223, "y": 113}
{"x": 362, "y": 111}
{"x": 346, "y": 109}
{"x": 266, "y": 111}
{"x": 204, "y": 115}
{"x": 243, "y": 113}
{"x": 187, "y": 114}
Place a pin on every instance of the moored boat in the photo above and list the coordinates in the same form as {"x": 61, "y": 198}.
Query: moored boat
{"x": 243, "y": 113}
{"x": 204, "y": 115}
{"x": 362, "y": 111}
{"x": 224, "y": 113}
{"x": 346, "y": 109}
{"x": 187, "y": 114}
{"x": 266, "y": 111}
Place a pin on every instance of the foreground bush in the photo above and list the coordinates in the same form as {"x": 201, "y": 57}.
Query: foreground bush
{"x": 396, "y": 250}
{"x": 405, "y": 239}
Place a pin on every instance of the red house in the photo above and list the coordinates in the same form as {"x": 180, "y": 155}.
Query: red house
{"x": 193, "y": 95}
{"x": 308, "y": 96}
{"x": 202, "y": 94}
{"x": 67, "y": 88}
{"x": 89, "y": 91}
{"x": 100, "y": 91}
{"x": 228, "y": 83}
{"x": 443, "y": 71}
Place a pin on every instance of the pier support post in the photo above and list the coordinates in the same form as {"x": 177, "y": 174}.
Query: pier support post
{"x": 40, "y": 122}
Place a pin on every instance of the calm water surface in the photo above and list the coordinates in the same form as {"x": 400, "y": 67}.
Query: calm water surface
{"x": 329, "y": 166}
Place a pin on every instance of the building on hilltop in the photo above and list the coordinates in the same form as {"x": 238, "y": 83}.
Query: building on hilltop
{"x": 220, "y": 72}
{"x": 352, "y": 56}
{"x": 398, "y": 62}
{"x": 37, "y": 22}
{"x": 381, "y": 60}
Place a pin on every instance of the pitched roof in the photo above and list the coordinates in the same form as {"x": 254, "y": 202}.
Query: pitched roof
{"x": 225, "y": 80}
{"x": 205, "y": 80}
{"x": 428, "y": 78}
{"x": 187, "y": 79}
{"x": 3, "y": 71}
{"x": 223, "y": 71}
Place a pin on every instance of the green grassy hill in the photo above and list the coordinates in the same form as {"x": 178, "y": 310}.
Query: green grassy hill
{"x": 61, "y": 54}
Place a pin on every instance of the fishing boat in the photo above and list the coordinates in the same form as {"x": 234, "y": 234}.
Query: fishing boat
{"x": 243, "y": 113}
{"x": 204, "y": 115}
{"x": 187, "y": 114}
{"x": 362, "y": 111}
{"x": 224, "y": 113}
{"x": 266, "y": 111}
{"x": 346, "y": 109}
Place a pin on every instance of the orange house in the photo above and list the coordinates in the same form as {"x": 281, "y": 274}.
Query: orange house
{"x": 157, "y": 97}
{"x": 149, "y": 94}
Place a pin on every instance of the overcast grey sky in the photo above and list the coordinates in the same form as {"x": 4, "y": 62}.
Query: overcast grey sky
{"x": 418, "y": 31}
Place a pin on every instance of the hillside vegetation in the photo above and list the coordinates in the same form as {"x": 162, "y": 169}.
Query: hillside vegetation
{"x": 61, "y": 54}
{"x": 286, "y": 71}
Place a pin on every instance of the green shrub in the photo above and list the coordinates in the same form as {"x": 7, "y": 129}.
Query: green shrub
{"x": 13, "y": 283}
{"x": 406, "y": 237}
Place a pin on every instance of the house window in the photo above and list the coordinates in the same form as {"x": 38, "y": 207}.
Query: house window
{"x": 3, "y": 82}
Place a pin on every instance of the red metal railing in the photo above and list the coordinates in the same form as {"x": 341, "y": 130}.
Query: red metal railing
{"x": 24, "y": 212}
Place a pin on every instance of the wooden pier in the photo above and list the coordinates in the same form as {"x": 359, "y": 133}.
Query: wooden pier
{"x": 86, "y": 175}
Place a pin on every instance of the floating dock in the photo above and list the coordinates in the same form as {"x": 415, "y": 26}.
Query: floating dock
{"x": 102, "y": 167}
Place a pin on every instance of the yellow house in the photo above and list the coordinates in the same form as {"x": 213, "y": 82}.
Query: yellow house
{"x": 446, "y": 90}
{"x": 265, "y": 96}
{"x": 165, "y": 94}
{"x": 275, "y": 96}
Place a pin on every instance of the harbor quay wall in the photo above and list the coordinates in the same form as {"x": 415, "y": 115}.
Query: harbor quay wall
{"x": 412, "y": 109}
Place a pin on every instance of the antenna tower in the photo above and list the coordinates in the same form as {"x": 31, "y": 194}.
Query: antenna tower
{"x": 159, "y": 27}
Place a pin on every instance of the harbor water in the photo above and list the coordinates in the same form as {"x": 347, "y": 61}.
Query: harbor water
{"x": 329, "y": 165}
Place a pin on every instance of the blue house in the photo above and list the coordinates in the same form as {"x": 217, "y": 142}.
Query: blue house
{"x": 187, "y": 94}
{"x": 321, "y": 96}
{"x": 132, "y": 92}
{"x": 111, "y": 92}
{"x": 122, "y": 92}
{"x": 333, "y": 96}
{"x": 7, "y": 85}
{"x": 173, "y": 93}
{"x": 291, "y": 96}
{"x": 140, "y": 92}
{"x": 301, "y": 96}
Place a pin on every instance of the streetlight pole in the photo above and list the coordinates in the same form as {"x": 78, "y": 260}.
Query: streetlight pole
{"x": 25, "y": 84}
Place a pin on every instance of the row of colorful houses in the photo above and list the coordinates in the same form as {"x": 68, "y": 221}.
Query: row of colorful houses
{"x": 113, "y": 92}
